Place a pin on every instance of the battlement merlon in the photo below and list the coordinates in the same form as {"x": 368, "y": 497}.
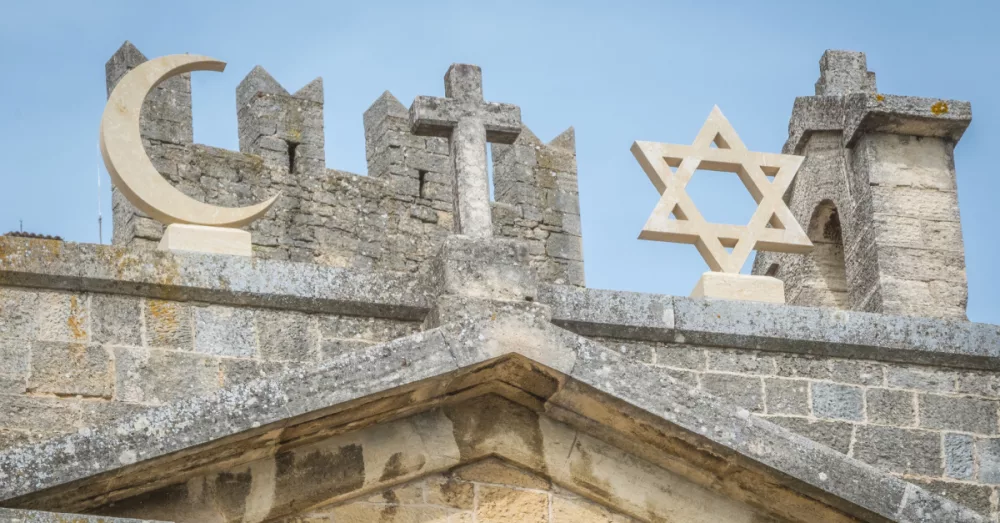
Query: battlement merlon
{"x": 286, "y": 130}
{"x": 166, "y": 113}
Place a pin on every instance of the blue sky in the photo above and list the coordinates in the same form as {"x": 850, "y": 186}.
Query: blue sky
{"x": 616, "y": 71}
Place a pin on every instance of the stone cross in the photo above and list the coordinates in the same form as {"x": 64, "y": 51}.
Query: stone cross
{"x": 469, "y": 121}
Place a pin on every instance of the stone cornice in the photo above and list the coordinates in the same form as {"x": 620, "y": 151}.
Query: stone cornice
{"x": 771, "y": 327}
{"x": 226, "y": 280}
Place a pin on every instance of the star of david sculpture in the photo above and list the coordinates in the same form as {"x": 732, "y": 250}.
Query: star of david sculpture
{"x": 676, "y": 218}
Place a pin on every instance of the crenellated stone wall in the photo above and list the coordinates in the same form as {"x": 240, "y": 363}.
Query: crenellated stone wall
{"x": 394, "y": 219}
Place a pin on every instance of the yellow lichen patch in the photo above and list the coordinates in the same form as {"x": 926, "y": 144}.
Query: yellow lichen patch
{"x": 75, "y": 321}
{"x": 939, "y": 108}
{"x": 16, "y": 252}
{"x": 121, "y": 258}
{"x": 164, "y": 313}
{"x": 879, "y": 97}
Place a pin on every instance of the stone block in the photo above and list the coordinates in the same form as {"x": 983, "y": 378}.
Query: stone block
{"x": 37, "y": 414}
{"x": 163, "y": 376}
{"x": 15, "y": 358}
{"x": 679, "y": 356}
{"x": 70, "y": 369}
{"x": 225, "y": 331}
{"x": 287, "y": 336}
{"x": 116, "y": 319}
{"x": 18, "y": 309}
{"x": 614, "y": 314}
{"x": 564, "y": 246}
{"x": 904, "y": 451}
{"x": 977, "y": 383}
{"x": 833, "y": 434}
{"x": 836, "y": 401}
{"x": 484, "y": 268}
{"x": 13, "y": 384}
{"x": 741, "y": 391}
{"x": 503, "y": 504}
{"x": 891, "y": 407}
{"x": 789, "y": 397}
{"x": 740, "y": 362}
{"x": 448, "y": 492}
{"x": 921, "y": 378}
{"x": 959, "y": 456}
{"x": 63, "y": 316}
{"x": 854, "y": 372}
{"x": 958, "y": 413}
{"x": 169, "y": 324}
{"x": 988, "y": 458}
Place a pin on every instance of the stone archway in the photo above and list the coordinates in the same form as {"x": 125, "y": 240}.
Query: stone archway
{"x": 829, "y": 278}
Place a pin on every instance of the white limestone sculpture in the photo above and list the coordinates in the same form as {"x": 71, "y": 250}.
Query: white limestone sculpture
{"x": 191, "y": 225}
{"x": 676, "y": 218}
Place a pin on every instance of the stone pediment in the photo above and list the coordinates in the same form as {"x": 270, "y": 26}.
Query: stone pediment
{"x": 511, "y": 388}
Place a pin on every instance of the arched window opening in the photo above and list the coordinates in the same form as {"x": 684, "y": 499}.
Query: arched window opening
{"x": 829, "y": 283}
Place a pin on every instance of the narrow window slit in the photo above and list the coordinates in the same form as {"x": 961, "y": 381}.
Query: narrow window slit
{"x": 292, "y": 146}
{"x": 422, "y": 175}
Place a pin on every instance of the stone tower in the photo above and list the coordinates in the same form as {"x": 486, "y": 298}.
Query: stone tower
{"x": 877, "y": 193}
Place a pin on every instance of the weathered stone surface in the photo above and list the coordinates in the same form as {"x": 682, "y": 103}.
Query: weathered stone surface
{"x": 287, "y": 336}
{"x": 71, "y": 369}
{"x": 681, "y": 356}
{"x": 835, "y": 401}
{"x": 843, "y": 334}
{"x": 617, "y": 314}
{"x": 922, "y": 378}
{"x": 959, "y": 456}
{"x": 905, "y": 115}
{"x": 922, "y": 505}
{"x": 833, "y": 434}
{"x": 169, "y": 324}
{"x": 975, "y": 497}
{"x": 161, "y": 376}
{"x": 32, "y": 516}
{"x": 225, "y": 331}
{"x": 790, "y": 397}
{"x": 958, "y": 413}
{"x": 891, "y": 407}
{"x": 495, "y": 471}
{"x": 741, "y": 362}
{"x": 503, "y": 504}
{"x": 988, "y": 452}
{"x": 899, "y": 450}
{"x": 746, "y": 392}
{"x": 116, "y": 319}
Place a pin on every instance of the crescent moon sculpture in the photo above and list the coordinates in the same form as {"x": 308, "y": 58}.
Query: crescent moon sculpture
{"x": 130, "y": 167}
